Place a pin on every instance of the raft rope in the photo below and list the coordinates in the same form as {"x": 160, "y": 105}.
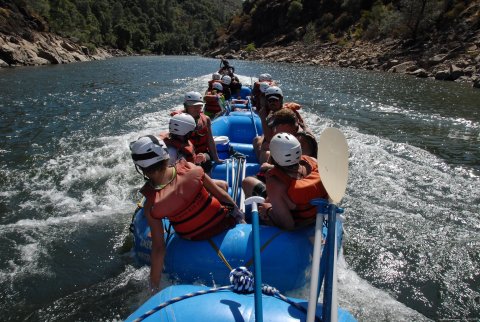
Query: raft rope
{"x": 242, "y": 282}
{"x": 220, "y": 254}
{"x": 250, "y": 262}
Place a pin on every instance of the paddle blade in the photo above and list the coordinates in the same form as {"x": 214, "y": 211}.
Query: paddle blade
{"x": 332, "y": 161}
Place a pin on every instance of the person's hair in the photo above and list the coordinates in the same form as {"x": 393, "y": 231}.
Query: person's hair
{"x": 156, "y": 166}
{"x": 283, "y": 116}
{"x": 272, "y": 161}
{"x": 181, "y": 138}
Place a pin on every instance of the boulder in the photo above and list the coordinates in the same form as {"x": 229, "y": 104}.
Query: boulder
{"x": 422, "y": 73}
{"x": 3, "y": 64}
{"x": 442, "y": 75}
{"x": 437, "y": 59}
{"x": 456, "y": 72}
{"x": 48, "y": 55}
{"x": 470, "y": 71}
{"x": 476, "y": 82}
{"x": 402, "y": 68}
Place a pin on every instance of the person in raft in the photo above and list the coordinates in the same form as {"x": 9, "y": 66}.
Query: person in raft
{"x": 201, "y": 137}
{"x": 196, "y": 207}
{"x": 214, "y": 101}
{"x": 290, "y": 185}
{"x": 177, "y": 139}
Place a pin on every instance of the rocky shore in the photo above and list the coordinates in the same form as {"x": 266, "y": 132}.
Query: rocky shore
{"x": 453, "y": 60}
{"x": 42, "y": 48}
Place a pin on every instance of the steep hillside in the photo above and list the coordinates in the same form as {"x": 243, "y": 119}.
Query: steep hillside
{"x": 427, "y": 38}
{"x": 135, "y": 26}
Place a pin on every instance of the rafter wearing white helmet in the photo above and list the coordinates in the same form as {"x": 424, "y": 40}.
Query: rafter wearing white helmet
{"x": 226, "y": 80}
{"x": 193, "y": 99}
{"x": 147, "y": 151}
{"x": 217, "y": 86}
{"x": 181, "y": 124}
{"x": 285, "y": 149}
{"x": 274, "y": 91}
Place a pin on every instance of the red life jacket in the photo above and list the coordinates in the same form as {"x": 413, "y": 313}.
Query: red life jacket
{"x": 199, "y": 137}
{"x": 212, "y": 104}
{"x": 301, "y": 191}
{"x": 193, "y": 212}
{"x": 187, "y": 151}
{"x": 210, "y": 83}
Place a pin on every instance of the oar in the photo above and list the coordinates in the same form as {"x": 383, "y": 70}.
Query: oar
{"x": 241, "y": 204}
{"x": 253, "y": 118}
{"x": 332, "y": 161}
{"x": 256, "y": 255}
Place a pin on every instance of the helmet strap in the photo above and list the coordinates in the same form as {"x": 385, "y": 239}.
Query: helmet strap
{"x": 140, "y": 171}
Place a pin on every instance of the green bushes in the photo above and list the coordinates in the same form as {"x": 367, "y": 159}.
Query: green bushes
{"x": 295, "y": 11}
{"x": 250, "y": 47}
{"x": 161, "y": 26}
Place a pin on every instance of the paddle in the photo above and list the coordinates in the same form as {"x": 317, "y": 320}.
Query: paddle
{"x": 251, "y": 114}
{"x": 332, "y": 161}
{"x": 256, "y": 255}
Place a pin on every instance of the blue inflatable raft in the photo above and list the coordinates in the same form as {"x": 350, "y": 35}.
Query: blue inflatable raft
{"x": 224, "y": 306}
{"x": 286, "y": 255}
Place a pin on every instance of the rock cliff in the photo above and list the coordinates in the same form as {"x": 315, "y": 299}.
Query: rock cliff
{"x": 450, "y": 54}
{"x": 25, "y": 40}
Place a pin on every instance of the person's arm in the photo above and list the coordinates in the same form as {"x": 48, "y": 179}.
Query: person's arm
{"x": 223, "y": 197}
{"x": 280, "y": 213}
{"x": 158, "y": 250}
{"x": 211, "y": 142}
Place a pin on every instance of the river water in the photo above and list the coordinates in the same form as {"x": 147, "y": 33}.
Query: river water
{"x": 68, "y": 187}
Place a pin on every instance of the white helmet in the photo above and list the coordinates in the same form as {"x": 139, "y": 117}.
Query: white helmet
{"x": 264, "y": 86}
{"x": 216, "y": 76}
{"x": 217, "y": 86}
{"x": 264, "y": 77}
{"x": 181, "y": 124}
{"x": 148, "y": 150}
{"x": 193, "y": 98}
{"x": 285, "y": 149}
{"x": 226, "y": 80}
{"x": 275, "y": 91}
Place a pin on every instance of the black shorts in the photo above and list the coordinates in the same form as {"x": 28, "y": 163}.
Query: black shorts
{"x": 260, "y": 189}
{"x": 207, "y": 165}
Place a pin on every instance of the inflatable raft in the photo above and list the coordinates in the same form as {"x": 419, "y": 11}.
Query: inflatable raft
{"x": 224, "y": 306}
{"x": 286, "y": 256}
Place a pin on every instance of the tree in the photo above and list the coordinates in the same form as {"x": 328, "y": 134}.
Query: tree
{"x": 418, "y": 15}
{"x": 123, "y": 35}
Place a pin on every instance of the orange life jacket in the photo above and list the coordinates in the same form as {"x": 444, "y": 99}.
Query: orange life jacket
{"x": 302, "y": 191}
{"x": 192, "y": 211}
{"x": 210, "y": 83}
{"x": 188, "y": 151}
{"x": 212, "y": 104}
{"x": 199, "y": 137}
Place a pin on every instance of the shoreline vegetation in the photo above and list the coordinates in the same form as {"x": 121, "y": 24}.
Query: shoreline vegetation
{"x": 454, "y": 55}
{"x": 450, "y": 64}
{"x": 455, "y": 61}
